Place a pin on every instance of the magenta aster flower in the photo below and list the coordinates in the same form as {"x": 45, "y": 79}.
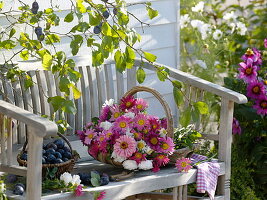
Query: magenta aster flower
{"x": 255, "y": 89}
{"x": 154, "y": 141}
{"x": 137, "y": 135}
{"x": 167, "y": 145}
{"x": 122, "y": 123}
{"x": 78, "y": 191}
{"x": 108, "y": 133}
{"x": 154, "y": 123}
{"x": 94, "y": 149}
{"x": 155, "y": 168}
{"x": 140, "y": 105}
{"x": 100, "y": 196}
{"x": 115, "y": 112}
{"x": 127, "y": 102}
{"x": 183, "y": 164}
{"x": 253, "y": 54}
{"x": 265, "y": 43}
{"x": 138, "y": 157}
{"x": 261, "y": 105}
{"x": 125, "y": 146}
{"x": 140, "y": 121}
{"x": 236, "y": 127}
{"x": 161, "y": 160}
{"x": 247, "y": 71}
{"x": 89, "y": 136}
{"x": 104, "y": 115}
{"x": 163, "y": 123}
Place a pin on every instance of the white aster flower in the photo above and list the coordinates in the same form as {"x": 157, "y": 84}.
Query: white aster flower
{"x": 105, "y": 125}
{"x": 130, "y": 115}
{"x": 201, "y": 63}
{"x": 128, "y": 132}
{"x": 141, "y": 145}
{"x": 145, "y": 165}
{"x": 149, "y": 150}
{"x": 217, "y": 34}
{"x": 162, "y": 132}
{"x": 196, "y": 23}
{"x": 231, "y": 16}
{"x": 76, "y": 180}
{"x": 117, "y": 158}
{"x": 205, "y": 29}
{"x": 184, "y": 20}
{"x": 108, "y": 103}
{"x": 232, "y": 26}
{"x": 66, "y": 177}
{"x": 199, "y": 7}
{"x": 241, "y": 28}
{"x": 130, "y": 164}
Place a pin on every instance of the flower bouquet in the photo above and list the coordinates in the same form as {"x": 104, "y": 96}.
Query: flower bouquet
{"x": 125, "y": 135}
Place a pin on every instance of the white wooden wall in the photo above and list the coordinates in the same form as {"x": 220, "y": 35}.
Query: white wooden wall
{"x": 160, "y": 38}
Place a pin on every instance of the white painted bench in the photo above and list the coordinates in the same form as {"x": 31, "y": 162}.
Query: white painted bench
{"x": 97, "y": 85}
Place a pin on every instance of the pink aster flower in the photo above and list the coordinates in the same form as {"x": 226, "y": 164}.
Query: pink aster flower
{"x": 108, "y": 133}
{"x": 138, "y": 157}
{"x": 137, "y": 135}
{"x": 122, "y": 123}
{"x": 247, "y": 71}
{"x": 94, "y": 149}
{"x": 161, "y": 160}
{"x": 255, "y": 89}
{"x": 265, "y": 43}
{"x": 167, "y": 145}
{"x": 115, "y": 112}
{"x": 140, "y": 121}
{"x": 140, "y": 105}
{"x": 155, "y": 168}
{"x": 163, "y": 123}
{"x": 89, "y": 136}
{"x": 125, "y": 146}
{"x": 261, "y": 105}
{"x": 127, "y": 102}
{"x": 253, "y": 54}
{"x": 104, "y": 115}
{"x": 78, "y": 191}
{"x": 183, "y": 164}
{"x": 154, "y": 141}
{"x": 154, "y": 123}
{"x": 236, "y": 127}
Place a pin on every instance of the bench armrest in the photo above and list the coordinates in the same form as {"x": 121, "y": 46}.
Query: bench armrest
{"x": 43, "y": 126}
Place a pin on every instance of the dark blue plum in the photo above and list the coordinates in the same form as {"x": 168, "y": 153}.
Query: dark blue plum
{"x": 11, "y": 178}
{"x": 43, "y": 160}
{"x": 58, "y": 160}
{"x": 51, "y": 159}
{"x": 24, "y": 156}
{"x": 35, "y": 7}
{"x": 115, "y": 11}
{"x": 60, "y": 143}
{"x": 97, "y": 30}
{"x": 66, "y": 149}
{"x": 106, "y": 14}
{"x": 85, "y": 178}
{"x": 67, "y": 155}
{"x": 50, "y": 151}
{"x": 104, "y": 180}
{"x": 58, "y": 155}
{"x": 18, "y": 190}
{"x": 61, "y": 151}
{"x": 65, "y": 159}
{"x": 20, "y": 184}
{"x": 52, "y": 145}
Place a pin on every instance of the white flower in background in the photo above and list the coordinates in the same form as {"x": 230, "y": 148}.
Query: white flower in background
{"x": 130, "y": 115}
{"x": 117, "y": 158}
{"x": 129, "y": 133}
{"x": 108, "y": 103}
{"x": 205, "y": 29}
{"x": 232, "y": 26}
{"x": 141, "y": 145}
{"x": 130, "y": 164}
{"x": 145, "y": 165}
{"x": 2, "y": 187}
{"x": 105, "y": 125}
{"x": 162, "y": 132}
{"x": 217, "y": 34}
{"x": 231, "y": 16}
{"x": 216, "y": 62}
{"x": 199, "y": 7}
{"x": 197, "y": 23}
{"x": 184, "y": 20}
{"x": 76, "y": 180}
{"x": 241, "y": 28}
{"x": 149, "y": 150}
{"x": 201, "y": 63}
{"x": 66, "y": 178}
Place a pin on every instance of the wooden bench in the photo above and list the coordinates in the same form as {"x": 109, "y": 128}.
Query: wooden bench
{"x": 97, "y": 85}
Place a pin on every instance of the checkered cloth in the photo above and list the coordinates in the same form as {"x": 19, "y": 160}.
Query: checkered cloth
{"x": 207, "y": 175}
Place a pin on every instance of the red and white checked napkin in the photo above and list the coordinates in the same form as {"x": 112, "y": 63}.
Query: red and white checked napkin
{"x": 207, "y": 175}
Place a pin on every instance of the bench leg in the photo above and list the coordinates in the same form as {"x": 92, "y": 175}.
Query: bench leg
{"x": 180, "y": 193}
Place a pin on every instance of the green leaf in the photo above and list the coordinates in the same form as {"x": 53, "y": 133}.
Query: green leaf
{"x": 130, "y": 53}
{"x": 162, "y": 75}
{"x": 52, "y": 38}
{"x": 24, "y": 55}
{"x": 69, "y": 107}
{"x": 151, "y": 12}
{"x": 185, "y": 117}
{"x": 64, "y": 85}
{"x": 76, "y": 44}
{"x": 140, "y": 75}
{"x": 1, "y": 4}
{"x": 56, "y": 101}
{"x": 119, "y": 59}
{"x": 76, "y": 93}
{"x": 12, "y": 32}
{"x": 202, "y": 107}
{"x": 90, "y": 41}
{"x": 150, "y": 57}
{"x": 28, "y": 82}
{"x": 95, "y": 182}
{"x": 195, "y": 115}
{"x": 69, "y": 17}
{"x": 106, "y": 30}
{"x": 47, "y": 61}
{"x": 8, "y": 44}
{"x": 178, "y": 96}
{"x": 94, "y": 18}
{"x": 80, "y": 7}
{"x": 95, "y": 175}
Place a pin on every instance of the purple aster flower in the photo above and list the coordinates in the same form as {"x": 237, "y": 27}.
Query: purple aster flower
{"x": 253, "y": 54}
{"x": 261, "y": 105}
{"x": 247, "y": 71}
{"x": 265, "y": 42}
{"x": 255, "y": 89}
{"x": 104, "y": 115}
{"x": 236, "y": 127}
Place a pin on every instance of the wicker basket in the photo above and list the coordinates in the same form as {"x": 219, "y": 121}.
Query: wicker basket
{"x": 61, "y": 167}
{"x": 105, "y": 158}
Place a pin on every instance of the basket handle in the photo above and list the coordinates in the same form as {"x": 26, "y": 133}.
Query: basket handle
{"x": 166, "y": 107}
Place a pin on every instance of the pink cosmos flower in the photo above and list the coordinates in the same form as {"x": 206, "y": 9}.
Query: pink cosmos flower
{"x": 236, "y": 127}
{"x": 127, "y": 102}
{"x": 89, "y": 136}
{"x": 167, "y": 145}
{"x": 161, "y": 160}
{"x": 140, "y": 105}
{"x": 122, "y": 123}
{"x": 255, "y": 89}
{"x": 78, "y": 191}
{"x": 125, "y": 146}
{"x": 247, "y": 71}
{"x": 183, "y": 164}
{"x": 154, "y": 141}
{"x": 104, "y": 115}
{"x": 261, "y": 105}
{"x": 265, "y": 43}
{"x": 115, "y": 112}
{"x": 140, "y": 121}
{"x": 101, "y": 195}
{"x": 138, "y": 157}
